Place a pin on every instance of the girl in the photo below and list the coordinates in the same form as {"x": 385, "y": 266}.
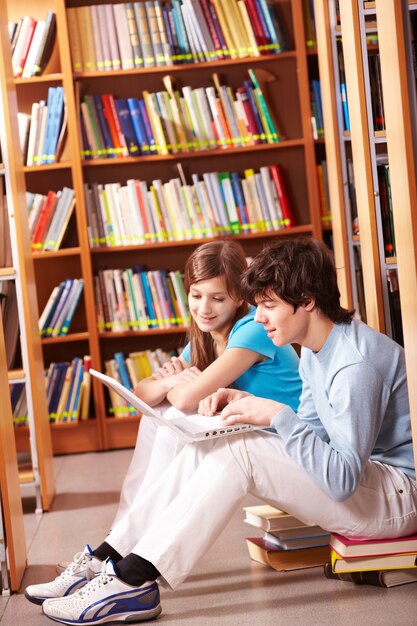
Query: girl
{"x": 226, "y": 348}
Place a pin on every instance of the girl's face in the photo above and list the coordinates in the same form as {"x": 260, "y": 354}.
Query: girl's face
{"x": 211, "y": 306}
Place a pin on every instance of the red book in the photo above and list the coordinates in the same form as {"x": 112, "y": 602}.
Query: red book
{"x": 256, "y": 25}
{"x": 243, "y": 96}
{"x": 44, "y": 219}
{"x": 372, "y": 547}
{"x": 277, "y": 173}
{"x": 23, "y": 44}
{"x": 117, "y": 137}
{"x": 142, "y": 208}
{"x": 212, "y": 28}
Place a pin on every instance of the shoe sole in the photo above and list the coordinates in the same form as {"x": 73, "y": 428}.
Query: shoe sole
{"x": 146, "y": 616}
{"x": 34, "y": 599}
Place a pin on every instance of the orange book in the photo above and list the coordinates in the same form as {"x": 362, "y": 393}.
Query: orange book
{"x": 45, "y": 217}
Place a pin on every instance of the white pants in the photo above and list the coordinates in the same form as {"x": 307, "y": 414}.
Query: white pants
{"x": 156, "y": 446}
{"x": 178, "y": 517}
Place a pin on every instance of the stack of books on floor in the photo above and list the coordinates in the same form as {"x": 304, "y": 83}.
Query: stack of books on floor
{"x": 287, "y": 542}
{"x": 380, "y": 562}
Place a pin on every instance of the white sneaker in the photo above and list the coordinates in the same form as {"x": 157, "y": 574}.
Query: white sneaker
{"x": 106, "y": 600}
{"x": 84, "y": 567}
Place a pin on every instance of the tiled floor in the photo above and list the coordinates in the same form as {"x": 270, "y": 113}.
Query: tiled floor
{"x": 225, "y": 589}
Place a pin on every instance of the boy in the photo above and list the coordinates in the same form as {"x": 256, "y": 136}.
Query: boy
{"x": 344, "y": 461}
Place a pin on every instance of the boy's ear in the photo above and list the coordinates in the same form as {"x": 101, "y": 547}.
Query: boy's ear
{"x": 310, "y": 305}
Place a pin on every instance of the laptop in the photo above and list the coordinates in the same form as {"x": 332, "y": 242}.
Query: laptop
{"x": 192, "y": 427}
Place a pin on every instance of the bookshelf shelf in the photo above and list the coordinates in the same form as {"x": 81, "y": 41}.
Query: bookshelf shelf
{"x": 169, "y": 69}
{"x": 72, "y": 337}
{"x": 44, "y": 78}
{"x": 144, "y": 333}
{"x": 63, "y": 252}
{"x": 203, "y": 154}
{"x": 30, "y": 169}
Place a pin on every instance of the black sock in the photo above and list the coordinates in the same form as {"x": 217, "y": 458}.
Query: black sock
{"x": 135, "y": 570}
{"x": 105, "y": 551}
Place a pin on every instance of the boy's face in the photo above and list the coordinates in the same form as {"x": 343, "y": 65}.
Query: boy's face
{"x": 282, "y": 323}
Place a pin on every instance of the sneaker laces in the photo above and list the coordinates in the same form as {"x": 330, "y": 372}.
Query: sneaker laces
{"x": 95, "y": 583}
{"x": 79, "y": 562}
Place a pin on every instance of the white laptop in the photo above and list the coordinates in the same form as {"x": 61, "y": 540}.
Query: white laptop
{"x": 192, "y": 427}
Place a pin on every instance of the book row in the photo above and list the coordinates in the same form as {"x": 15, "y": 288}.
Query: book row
{"x": 134, "y": 299}
{"x": 32, "y": 42}
{"x": 129, "y": 371}
{"x": 19, "y": 404}
{"x": 48, "y": 217}
{"x": 42, "y": 131}
{"x": 153, "y": 33}
{"x": 68, "y": 390}
{"x": 58, "y": 313}
{"x": 173, "y": 121}
{"x": 220, "y": 203}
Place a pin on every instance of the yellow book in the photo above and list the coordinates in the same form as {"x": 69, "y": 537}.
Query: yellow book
{"x": 176, "y": 113}
{"x": 75, "y": 41}
{"x": 85, "y": 30}
{"x": 234, "y": 18}
{"x": 85, "y": 389}
{"x": 155, "y": 122}
{"x": 368, "y": 563}
{"x": 253, "y": 49}
{"x": 228, "y": 34}
{"x": 258, "y": 214}
{"x": 59, "y": 415}
{"x": 133, "y": 374}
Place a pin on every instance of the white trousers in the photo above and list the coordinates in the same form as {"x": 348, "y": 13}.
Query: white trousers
{"x": 156, "y": 447}
{"x": 174, "y": 521}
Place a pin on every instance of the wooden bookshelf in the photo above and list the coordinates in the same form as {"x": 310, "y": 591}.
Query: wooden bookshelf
{"x": 288, "y": 94}
{"x": 399, "y": 140}
{"x": 23, "y": 277}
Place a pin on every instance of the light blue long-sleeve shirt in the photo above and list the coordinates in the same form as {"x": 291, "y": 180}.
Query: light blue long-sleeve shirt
{"x": 353, "y": 407}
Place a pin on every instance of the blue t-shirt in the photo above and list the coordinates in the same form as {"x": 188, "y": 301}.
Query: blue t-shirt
{"x": 277, "y": 377}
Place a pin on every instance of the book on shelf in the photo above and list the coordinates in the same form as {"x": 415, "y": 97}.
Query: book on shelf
{"x": 46, "y": 46}
{"x": 270, "y": 518}
{"x": 6, "y": 259}
{"x": 60, "y": 308}
{"x": 377, "y": 578}
{"x": 21, "y": 48}
{"x": 283, "y": 560}
{"x": 395, "y": 305}
{"x": 9, "y": 311}
{"x": 350, "y": 548}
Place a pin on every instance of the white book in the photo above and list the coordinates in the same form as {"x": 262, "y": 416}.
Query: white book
{"x": 153, "y": 227}
{"x": 205, "y": 115}
{"x": 23, "y": 40}
{"x": 212, "y": 99}
{"x": 265, "y": 207}
{"x": 132, "y": 235}
{"x": 33, "y": 50}
{"x": 213, "y": 183}
{"x": 199, "y": 29}
{"x": 160, "y": 192}
{"x": 123, "y": 36}
{"x": 196, "y": 51}
{"x": 23, "y": 123}
{"x": 155, "y": 211}
{"x": 96, "y": 28}
{"x": 114, "y": 213}
{"x": 271, "y": 197}
{"x": 135, "y": 210}
{"x": 204, "y": 203}
{"x": 198, "y": 131}
{"x": 167, "y": 123}
{"x": 104, "y": 37}
{"x": 34, "y": 121}
{"x": 113, "y": 43}
{"x": 184, "y": 218}
{"x": 230, "y": 204}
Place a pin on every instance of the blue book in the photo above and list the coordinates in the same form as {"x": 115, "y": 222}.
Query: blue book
{"x": 148, "y": 300}
{"x": 57, "y": 389}
{"x": 72, "y": 307}
{"x": 46, "y": 140}
{"x": 315, "y": 85}
{"x": 148, "y": 127}
{"x": 170, "y": 36}
{"x": 138, "y": 126}
{"x": 76, "y": 361}
{"x": 240, "y": 201}
{"x": 126, "y": 125}
{"x": 104, "y": 127}
{"x": 345, "y": 107}
{"x": 123, "y": 371}
{"x": 249, "y": 88}
{"x": 76, "y": 394}
{"x": 60, "y": 305}
{"x": 56, "y": 120}
{"x": 266, "y": 21}
{"x": 51, "y": 312}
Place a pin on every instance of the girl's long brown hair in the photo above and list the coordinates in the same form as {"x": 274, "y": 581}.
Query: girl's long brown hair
{"x": 210, "y": 260}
